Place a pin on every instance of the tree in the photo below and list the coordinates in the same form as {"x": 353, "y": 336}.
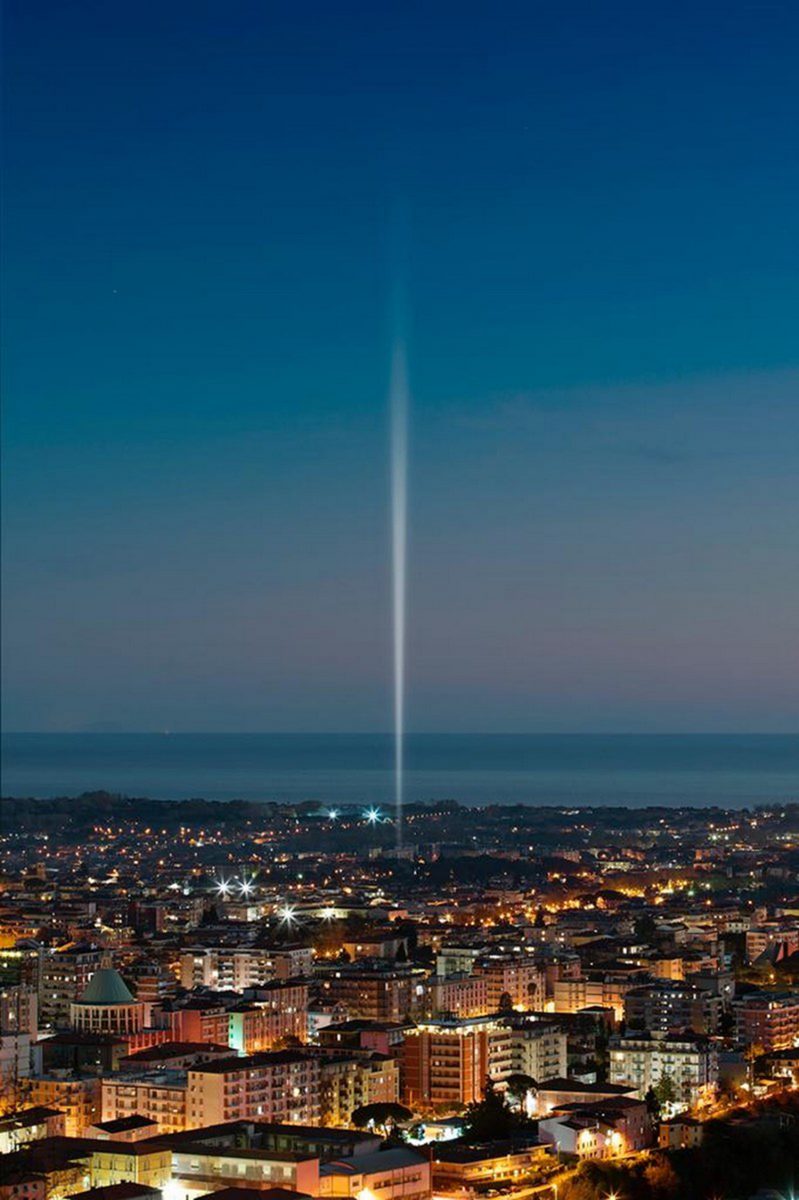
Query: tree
{"x": 289, "y": 1041}
{"x": 518, "y": 1085}
{"x": 491, "y": 1119}
{"x": 380, "y": 1116}
{"x": 661, "y": 1179}
{"x": 652, "y": 1104}
{"x": 665, "y": 1091}
{"x": 645, "y": 928}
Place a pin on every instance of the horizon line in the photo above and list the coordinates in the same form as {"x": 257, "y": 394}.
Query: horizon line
{"x": 388, "y": 734}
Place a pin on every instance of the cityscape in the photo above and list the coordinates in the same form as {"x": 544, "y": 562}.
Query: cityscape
{"x": 400, "y": 636}
{"x": 278, "y": 1000}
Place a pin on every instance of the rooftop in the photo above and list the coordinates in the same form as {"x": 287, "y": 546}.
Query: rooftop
{"x": 106, "y": 986}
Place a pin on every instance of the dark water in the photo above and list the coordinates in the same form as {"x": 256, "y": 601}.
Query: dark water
{"x": 474, "y": 769}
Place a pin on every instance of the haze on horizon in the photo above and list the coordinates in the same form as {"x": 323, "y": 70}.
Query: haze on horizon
{"x": 603, "y": 358}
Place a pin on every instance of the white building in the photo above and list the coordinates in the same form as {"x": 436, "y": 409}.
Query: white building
{"x": 690, "y": 1063}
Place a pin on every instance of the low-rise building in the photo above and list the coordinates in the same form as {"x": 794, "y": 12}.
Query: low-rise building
{"x": 680, "y": 1133}
{"x": 396, "y": 1173}
{"x": 602, "y": 1129}
{"x": 458, "y": 1167}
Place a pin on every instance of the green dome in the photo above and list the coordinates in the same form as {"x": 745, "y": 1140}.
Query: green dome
{"x": 106, "y": 986}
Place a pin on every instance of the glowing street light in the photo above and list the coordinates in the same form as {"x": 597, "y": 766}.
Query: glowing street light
{"x": 333, "y": 814}
{"x": 287, "y": 914}
{"x": 223, "y": 888}
{"x": 372, "y": 816}
{"x": 328, "y": 914}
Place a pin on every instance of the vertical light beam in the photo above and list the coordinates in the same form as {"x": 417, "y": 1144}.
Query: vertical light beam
{"x": 399, "y": 544}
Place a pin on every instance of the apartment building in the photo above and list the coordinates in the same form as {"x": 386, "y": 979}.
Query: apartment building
{"x": 689, "y": 1062}
{"x": 539, "y": 1050}
{"x": 447, "y": 1061}
{"x": 457, "y": 995}
{"x": 158, "y": 1096}
{"x": 374, "y": 993}
{"x": 282, "y": 1085}
{"x": 349, "y": 1082}
{"x": 19, "y": 1010}
{"x": 666, "y": 1006}
{"x": 64, "y": 975}
{"x": 77, "y": 1098}
{"x": 512, "y": 980}
{"x": 237, "y": 968}
{"x": 280, "y": 1012}
{"x": 769, "y": 1020}
{"x": 592, "y": 991}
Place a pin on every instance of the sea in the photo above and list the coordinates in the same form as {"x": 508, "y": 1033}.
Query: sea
{"x": 633, "y": 770}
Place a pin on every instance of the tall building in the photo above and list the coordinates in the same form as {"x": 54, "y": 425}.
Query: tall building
{"x": 447, "y": 1062}
{"x": 64, "y": 977}
{"x": 77, "y": 1098}
{"x": 19, "y": 1010}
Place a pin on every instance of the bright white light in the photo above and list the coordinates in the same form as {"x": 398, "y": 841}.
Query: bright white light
{"x": 399, "y": 545}
{"x": 287, "y": 914}
{"x": 333, "y": 814}
{"x": 245, "y": 887}
{"x": 328, "y": 914}
{"x": 223, "y": 888}
{"x": 372, "y": 815}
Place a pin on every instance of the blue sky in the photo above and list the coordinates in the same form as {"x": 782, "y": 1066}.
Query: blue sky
{"x": 603, "y": 293}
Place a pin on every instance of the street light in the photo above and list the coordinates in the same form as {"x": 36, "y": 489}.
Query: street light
{"x": 372, "y": 815}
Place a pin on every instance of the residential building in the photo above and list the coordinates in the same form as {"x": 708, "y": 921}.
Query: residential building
{"x": 689, "y": 1061}
{"x": 159, "y": 1096}
{"x": 78, "y": 1098}
{"x": 64, "y": 977}
{"x": 282, "y": 1085}
{"x": 666, "y": 1006}
{"x": 769, "y": 1020}
{"x": 447, "y": 1062}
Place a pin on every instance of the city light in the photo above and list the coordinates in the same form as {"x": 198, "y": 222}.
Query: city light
{"x": 333, "y": 814}
{"x": 372, "y": 816}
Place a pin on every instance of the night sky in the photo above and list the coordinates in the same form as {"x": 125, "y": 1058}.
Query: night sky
{"x": 603, "y": 289}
